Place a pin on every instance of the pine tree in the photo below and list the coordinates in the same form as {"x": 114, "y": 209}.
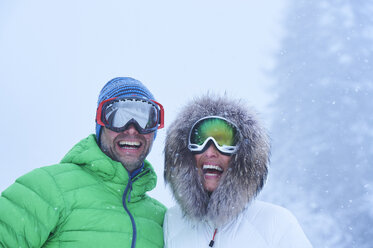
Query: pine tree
{"x": 322, "y": 129}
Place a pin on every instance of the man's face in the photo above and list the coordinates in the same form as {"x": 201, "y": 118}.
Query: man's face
{"x": 212, "y": 165}
{"x": 128, "y": 147}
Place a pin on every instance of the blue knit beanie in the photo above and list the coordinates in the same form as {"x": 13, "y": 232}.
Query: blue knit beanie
{"x": 120, "y": 87}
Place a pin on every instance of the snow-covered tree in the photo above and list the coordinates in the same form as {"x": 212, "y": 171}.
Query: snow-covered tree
{"x": 322, "y": 128}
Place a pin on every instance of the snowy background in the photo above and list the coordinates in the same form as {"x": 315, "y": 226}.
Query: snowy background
{"x": 304, "y": 65}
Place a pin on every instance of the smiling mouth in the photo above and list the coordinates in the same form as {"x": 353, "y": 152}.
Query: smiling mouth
{"x": 129, "y": 144}
{"x": 212, "y": 170}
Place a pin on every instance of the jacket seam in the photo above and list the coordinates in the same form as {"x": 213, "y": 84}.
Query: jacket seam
{"x": 14, "y": 231}
{"x": 64, "y": 213}
{"x": 99, "y": 231}
{"x": 289, "y": 226}
{"x": 26, "y": 209}
{"x": 61, "y": 172}
{"x": 81, "y": 187}
{"x": 256, "y": 229}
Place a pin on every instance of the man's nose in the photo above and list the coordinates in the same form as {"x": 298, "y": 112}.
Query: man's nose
{"x": 131, "y": 129}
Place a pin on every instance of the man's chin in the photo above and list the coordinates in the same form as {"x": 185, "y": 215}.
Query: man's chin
{"x": 131, "y": 160}
{"x": 131, "y": 164}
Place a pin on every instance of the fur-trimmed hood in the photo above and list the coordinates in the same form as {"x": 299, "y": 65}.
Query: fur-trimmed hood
{"x": 247, "y": 169}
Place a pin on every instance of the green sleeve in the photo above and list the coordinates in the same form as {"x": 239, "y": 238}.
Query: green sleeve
{"x": 30, "y": 210}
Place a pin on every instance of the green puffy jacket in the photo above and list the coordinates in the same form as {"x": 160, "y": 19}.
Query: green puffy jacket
{"x": 78, "y": 203}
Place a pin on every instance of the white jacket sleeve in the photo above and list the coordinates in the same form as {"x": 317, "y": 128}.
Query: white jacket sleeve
{"x": 293, "y": 235}
{"x": 165, "y": 231}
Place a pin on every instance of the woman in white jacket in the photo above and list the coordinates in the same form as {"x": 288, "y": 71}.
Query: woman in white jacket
{"x": 216, "y": 159}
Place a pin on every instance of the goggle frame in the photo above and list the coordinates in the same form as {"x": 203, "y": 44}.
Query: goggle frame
{"x": 157, "y": 105}
{"x": 224, "y": 149}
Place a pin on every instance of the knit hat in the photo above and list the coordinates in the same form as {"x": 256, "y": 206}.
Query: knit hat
{"x": 120, "y": 87}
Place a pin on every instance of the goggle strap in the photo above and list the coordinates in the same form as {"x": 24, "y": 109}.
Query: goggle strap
{"x": 161, "y": 114}
{"x": 99, "y": 111}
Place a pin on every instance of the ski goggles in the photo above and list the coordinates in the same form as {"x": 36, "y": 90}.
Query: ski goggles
{"x": 223, "y": 133}
{"x": 117, "y": 114}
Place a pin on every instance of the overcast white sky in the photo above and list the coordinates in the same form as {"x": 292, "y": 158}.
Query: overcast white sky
{"x": 56, "y": 55}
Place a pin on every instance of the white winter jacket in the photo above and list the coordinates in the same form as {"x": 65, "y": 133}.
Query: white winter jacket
{"x": 260, "y": 225}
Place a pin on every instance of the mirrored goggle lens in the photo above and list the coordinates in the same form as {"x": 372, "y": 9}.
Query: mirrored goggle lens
{"x": 117, "y": 113}
{"x": 222, "y": 132}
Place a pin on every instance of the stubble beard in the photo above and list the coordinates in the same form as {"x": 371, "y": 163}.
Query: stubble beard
{"x": 129, "y": 164}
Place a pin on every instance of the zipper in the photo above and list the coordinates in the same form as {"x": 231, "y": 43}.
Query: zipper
{"x": 124, "y": 201}
{"x": 127, "y": 198}
{"x": 141, "y": 174}
{"x": 213, "y": 238}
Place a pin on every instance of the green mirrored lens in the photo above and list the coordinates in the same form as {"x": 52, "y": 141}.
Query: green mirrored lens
{"x": 222, "y": 131}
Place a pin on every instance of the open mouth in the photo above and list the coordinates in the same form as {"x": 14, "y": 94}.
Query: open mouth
{"x": 212, "y": 170}
{"x": 129, "y": 144}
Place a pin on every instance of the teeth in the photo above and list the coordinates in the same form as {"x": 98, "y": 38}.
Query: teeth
{"x": 129, "y": 143}
{"x": 212, "y": 175}
{"x": 213, "y": 167}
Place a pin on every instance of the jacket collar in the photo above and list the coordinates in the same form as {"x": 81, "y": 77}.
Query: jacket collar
{"x": 88, "y": 154}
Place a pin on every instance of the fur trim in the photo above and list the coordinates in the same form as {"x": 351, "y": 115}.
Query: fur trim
{"x": 247, "y": 170}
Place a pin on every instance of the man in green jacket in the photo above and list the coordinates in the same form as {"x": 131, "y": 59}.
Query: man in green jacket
{"x": 96, "y": 196}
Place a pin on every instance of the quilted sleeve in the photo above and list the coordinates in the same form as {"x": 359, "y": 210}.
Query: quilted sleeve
{"x": 30, "y": 210}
